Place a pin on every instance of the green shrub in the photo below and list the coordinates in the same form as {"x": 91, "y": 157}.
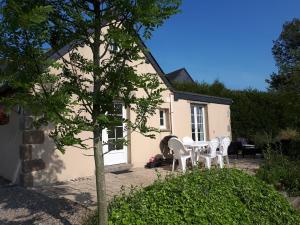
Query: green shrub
{"x": 281, "y": 171}
{"x": 288, "y": 134}
{"x": 225, "y": 196}
{"x": 291, "y": 148}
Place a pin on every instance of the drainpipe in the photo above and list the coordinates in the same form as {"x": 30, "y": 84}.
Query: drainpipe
{"x": 171, "y": 111}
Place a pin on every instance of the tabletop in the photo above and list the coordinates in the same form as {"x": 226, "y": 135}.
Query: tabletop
{"x": 197, "y": 144}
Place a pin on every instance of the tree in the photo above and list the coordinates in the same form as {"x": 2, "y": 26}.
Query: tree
{"x": 286, "y": 81}
{"x": 286, "y": 51}
{"x": 76, "y": 93}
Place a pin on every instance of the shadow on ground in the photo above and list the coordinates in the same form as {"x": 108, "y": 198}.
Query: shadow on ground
{"x": 21, "y": 206}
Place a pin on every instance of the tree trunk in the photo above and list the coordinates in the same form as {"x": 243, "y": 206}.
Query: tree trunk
{"x": 98, "y": 149}
{"x": 100, "y": 179}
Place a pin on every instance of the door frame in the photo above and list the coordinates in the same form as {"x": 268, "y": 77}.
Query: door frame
{"x": 124, "y": 151}
{"x": 194, "y": 107}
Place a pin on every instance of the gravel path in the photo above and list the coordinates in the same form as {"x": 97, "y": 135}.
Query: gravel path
{"x": 19, "y": 206}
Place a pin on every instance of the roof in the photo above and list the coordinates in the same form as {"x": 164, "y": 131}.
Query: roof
{"x": 180, "y": 75}
{"x": 201, "y": 98}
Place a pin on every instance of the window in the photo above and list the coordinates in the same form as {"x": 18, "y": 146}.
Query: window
{"x": 198, "y": 123}
{"x": 115, "y": 134}
{"x": 163, "y": 119}
{"x": 114, "y": 47}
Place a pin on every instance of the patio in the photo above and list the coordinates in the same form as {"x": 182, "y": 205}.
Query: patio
{"x": 83, "y": 190}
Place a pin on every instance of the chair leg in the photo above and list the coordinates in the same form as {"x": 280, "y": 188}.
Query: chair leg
{"x": 220, "y": 161}
{"x": 193, "y": 157}
{"x": 227, "y": 159}
{"x": 207, "y": 163}
{"x": 197, "y": 156}
{"x": 183, "y": 164}
{"x": 173, "y": 166}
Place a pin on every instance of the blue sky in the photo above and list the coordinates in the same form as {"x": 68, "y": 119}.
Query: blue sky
{"x": 227, "y": 40}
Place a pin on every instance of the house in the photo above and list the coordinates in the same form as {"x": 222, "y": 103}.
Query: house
{"x": 28, "y": 156}
{"x": 180, "y": 76}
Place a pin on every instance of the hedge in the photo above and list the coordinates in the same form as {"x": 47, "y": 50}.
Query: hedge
{"x": 226, "y": 196}
{"x": 253, "y": 112}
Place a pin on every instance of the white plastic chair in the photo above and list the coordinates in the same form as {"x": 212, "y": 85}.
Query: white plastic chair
{"x": 180, "y": 153}
{"x": 212, "y": 153}
{"x": 188, "y": 141}
{"x": 223, "y": 153}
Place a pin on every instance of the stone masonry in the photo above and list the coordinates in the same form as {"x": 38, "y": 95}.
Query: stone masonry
{"x": 31, "y": 138}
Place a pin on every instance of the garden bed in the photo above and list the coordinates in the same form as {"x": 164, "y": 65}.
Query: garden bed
{"x": 227, "y": 196}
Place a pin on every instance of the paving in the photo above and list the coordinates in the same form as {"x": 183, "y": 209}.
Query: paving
{"x": 249, "y": 165}
{"x": 83, "y": 190}
{"x": 70, "y": 202}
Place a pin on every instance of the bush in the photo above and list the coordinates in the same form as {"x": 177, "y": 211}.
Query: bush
{"x": 291, "y": 148}
{"x": 225, "y": 196}
{"x": 288, "y": 135}
{"x": 281, "y": 171}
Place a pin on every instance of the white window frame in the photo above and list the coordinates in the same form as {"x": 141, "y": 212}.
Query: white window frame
{"x": 164, "y": 119}
{"x": 197, "y": 131}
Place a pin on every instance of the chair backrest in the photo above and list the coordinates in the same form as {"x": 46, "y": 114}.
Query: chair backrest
{"x": 224, "y": 146}
{"x": 187, "y": 140}
{"x": 242, "y": 140}
{"x": 177, "y": 147}
{"x": 213, "y": 145}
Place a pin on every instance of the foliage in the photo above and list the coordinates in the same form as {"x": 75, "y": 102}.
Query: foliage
{"x": 290, "y": 148}
{"x": 215, "y": 196}
{"x": 281, "y": 171}
{"x": 286, "y": 51}
{"x": 261, "y": 140}
{"x": 76, "y": 93}
{"x": 288, "y": 134}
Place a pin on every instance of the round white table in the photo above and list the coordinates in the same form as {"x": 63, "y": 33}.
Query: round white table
{"x": 194, "y": 147}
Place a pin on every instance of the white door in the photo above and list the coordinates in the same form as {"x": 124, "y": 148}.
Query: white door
{"x": 198, "y": 123}
{"x": 114, "y": 152}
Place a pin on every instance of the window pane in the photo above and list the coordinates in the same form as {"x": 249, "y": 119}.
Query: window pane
{"x": 119, "y": 145}
{"x": 161, "y": 114}
{"x": 119, "y": 132}
{"x": 201, "y": 137}
{"x": 200, "y": 127}
{"x": 118, "y": 108}
{"x": 193, "y": 136}
{"x": 111, "y": 133}
{"x": 162, "y": 118}
{"x": 119, "y": 121}
{"x": 162, "y": 122}
{"x": 111, "y": 146}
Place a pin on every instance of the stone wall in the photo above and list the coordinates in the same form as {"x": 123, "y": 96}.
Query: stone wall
{"x": 31, "y": 139}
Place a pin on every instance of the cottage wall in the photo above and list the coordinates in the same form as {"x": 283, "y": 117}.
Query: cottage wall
{"x": 10, "y": 140}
